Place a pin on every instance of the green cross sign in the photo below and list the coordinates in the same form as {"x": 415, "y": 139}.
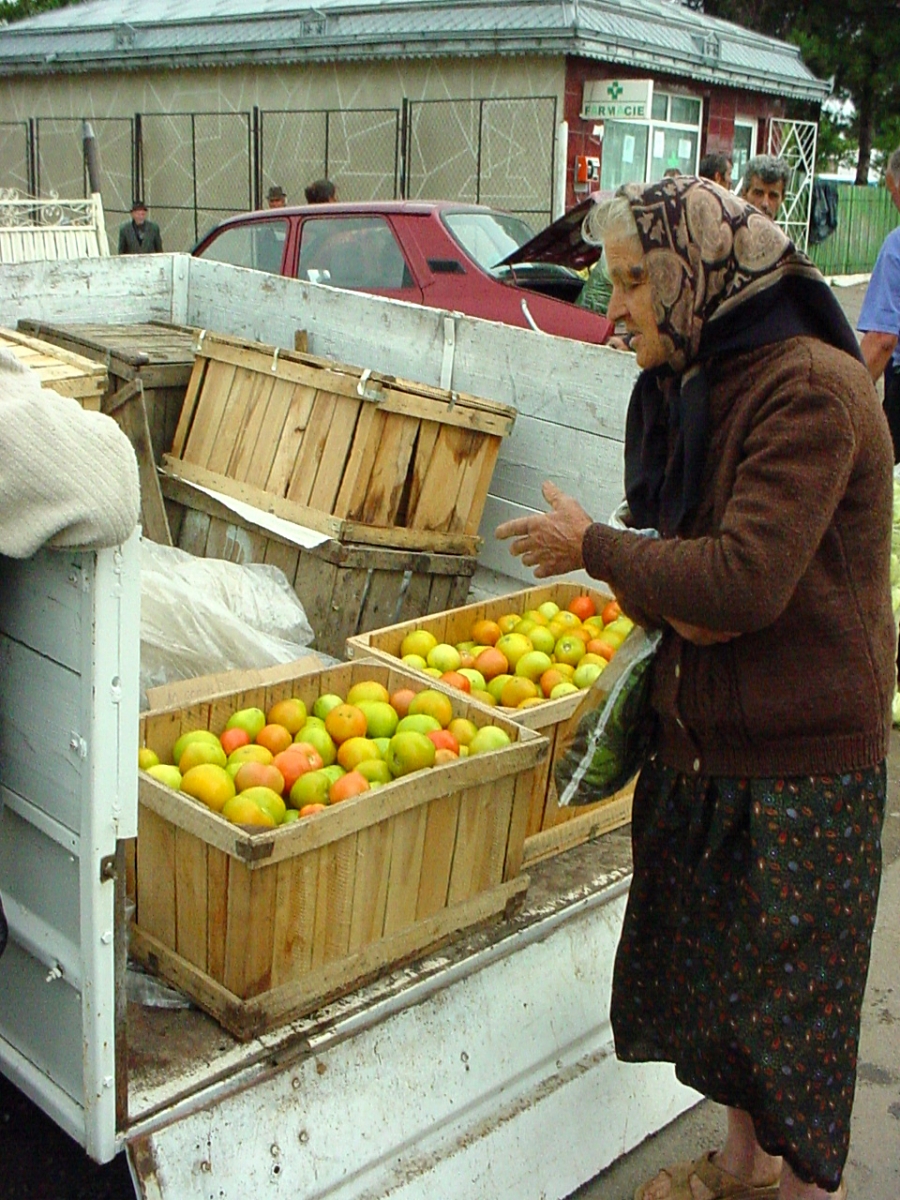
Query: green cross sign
{"x": 615, "y": 90}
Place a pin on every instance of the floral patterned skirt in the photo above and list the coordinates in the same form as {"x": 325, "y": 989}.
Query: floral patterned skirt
{"x": 745, "y": 948}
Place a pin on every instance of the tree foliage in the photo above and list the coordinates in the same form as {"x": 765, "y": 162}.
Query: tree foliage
{"x": 18, "y": 10}
{"x": 856, "y": 43}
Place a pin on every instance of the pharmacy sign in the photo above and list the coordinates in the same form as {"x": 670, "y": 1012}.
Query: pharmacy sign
{"x": 617, "y": 99}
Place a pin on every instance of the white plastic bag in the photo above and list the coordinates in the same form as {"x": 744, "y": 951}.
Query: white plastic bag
{"x": 200, "y": 616}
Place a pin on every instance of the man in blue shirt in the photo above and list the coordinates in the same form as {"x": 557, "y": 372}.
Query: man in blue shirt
{"x": 879, "y": 318}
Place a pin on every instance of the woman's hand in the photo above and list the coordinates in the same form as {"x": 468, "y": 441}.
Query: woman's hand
{"x": 698, "y": 635}
{"x": 550, "y": 542}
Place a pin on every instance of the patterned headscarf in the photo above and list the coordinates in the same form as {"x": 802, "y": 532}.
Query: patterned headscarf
{"x": 724, "y": 279}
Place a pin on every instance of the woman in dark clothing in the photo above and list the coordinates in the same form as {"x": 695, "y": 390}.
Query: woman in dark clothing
{"x": 756, "y": 446}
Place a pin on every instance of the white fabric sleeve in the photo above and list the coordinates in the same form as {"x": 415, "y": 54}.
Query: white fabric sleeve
{"x": 67, "y": 476}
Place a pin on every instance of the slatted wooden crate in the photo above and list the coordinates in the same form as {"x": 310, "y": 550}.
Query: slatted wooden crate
{"x": 550, "y": 829}
{"x": 149, "y": 366}
{"x": 65, "y": 372}
{"x": 363, "y": 457}
{"x": 260, "y": 927}
{"x": 345, "y": 589}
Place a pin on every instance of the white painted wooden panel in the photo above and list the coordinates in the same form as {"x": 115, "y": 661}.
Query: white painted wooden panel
{"x": 133, "y": 288}
{"x": 68, "y": 793}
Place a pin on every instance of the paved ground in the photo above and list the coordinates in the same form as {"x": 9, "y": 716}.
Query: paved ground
{"x": 39, "y": 1162}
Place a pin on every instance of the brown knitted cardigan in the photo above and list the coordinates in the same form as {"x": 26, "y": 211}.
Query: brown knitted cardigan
{"x": 790, "y": 549}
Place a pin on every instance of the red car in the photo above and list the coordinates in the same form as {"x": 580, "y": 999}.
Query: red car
{"x": 463, "y": 257}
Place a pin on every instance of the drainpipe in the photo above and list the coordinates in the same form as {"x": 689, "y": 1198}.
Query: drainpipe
{"x": 560, "y": 170}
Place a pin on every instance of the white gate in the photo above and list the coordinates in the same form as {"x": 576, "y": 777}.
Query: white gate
{"x": 795, "y": 142}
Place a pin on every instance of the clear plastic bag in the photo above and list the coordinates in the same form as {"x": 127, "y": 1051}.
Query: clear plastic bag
{"x": 201, "y": 616}
{"x": 612, "y": 738}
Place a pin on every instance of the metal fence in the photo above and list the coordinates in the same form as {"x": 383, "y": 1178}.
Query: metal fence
{"x": 866, "y": 215}
{"x": 194, "y": 168}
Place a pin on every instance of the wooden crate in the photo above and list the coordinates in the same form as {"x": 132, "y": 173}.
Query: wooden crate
{"x": 66, "y": 373}
{"x": 149, "y": 367}
{"x": 262, "y": 927}
{"x": 550, "y": 829}
{"x": 363, "y": 457}
{"x": 345, "y": 589}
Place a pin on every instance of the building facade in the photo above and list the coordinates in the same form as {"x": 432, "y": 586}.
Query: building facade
{"x": 201, "y": 106}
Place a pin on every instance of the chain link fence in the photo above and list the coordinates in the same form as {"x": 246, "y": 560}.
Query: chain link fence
{"x": 195, "y": 168}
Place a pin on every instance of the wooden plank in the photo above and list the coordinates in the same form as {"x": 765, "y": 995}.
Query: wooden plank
{"x": 240, "y": 423}
{"x": 314, "y": 584}
{"x": 309, "y": 456}
{"x": 473, "y": 487}
{"x": 194, "y": 533}
{"x": 428, "y": 435}
{"x": 437, "y": 855}
{"x": 334, "y": 527}
{"x": 440, "y": 490}
{"x": 373, "y": 862}
{"x": 155, "y": 875}
{"x": 334, "y": 900}
{"x": 249, "y": 1019}
{"x": 189, "y": 408}
{"x": 406, "y": 868}
{"x": 586, "y": 824}
{"x": 191, "y": 901}
{"x": 218, "y": 868}
{"x": 346, "y": 605}
{"x": 355, "y": 481}
{"x": 335, "y": 452}
{"x": 292, "y": 433}
{"x": 130, "y": 413}
{"x": 211, "y": 408}
{"x": 295, "y": 915}
{"x": 390, "y": 472}
{"x": 282, "y": 555}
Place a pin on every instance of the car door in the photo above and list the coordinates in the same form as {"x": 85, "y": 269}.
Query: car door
{"x": 357, "y": 252}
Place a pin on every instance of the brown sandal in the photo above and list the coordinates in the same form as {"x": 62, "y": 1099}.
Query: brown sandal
{"x": 722, "y": 1185}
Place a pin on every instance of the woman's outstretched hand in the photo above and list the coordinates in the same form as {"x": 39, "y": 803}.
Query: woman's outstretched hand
{"x": 550, "y": 542}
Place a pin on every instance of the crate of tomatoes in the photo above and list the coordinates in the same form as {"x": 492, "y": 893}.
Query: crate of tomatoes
{"x": 298, "y": 838}
{"x": 535, "y": 656}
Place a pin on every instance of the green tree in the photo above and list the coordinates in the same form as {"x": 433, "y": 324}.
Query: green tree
{"x": 18, "y": 10}
{"x": 856, "y": 43}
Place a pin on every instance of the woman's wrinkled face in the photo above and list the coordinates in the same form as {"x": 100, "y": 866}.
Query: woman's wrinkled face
{"x": 632, "y": 300}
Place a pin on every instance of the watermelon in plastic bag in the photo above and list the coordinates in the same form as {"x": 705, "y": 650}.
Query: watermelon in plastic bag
{"x": 612, "y": 739}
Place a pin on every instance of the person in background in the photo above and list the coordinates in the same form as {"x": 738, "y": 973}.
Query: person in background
{"x": 764, "y": 183}
{"x": 67, "y": 477}
{"x": 879, "y": 317}
{"x": 716, "y": 167}
{"x": 276, "y": 197}
{"x": 755, "y": 445}
{"x": 671, "y": 173}
{"x": 139, "y": 236}
{"x": 322, "y": 191}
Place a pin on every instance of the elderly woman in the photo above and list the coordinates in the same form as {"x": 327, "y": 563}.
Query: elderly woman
{"x": 756, "y": 446}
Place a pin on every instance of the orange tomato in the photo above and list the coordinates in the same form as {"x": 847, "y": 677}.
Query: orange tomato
{"x": 610, "y": 611}
{"x": 486, "y": 632}
{"x": 346, "y": 721}
{"x": 605, "y": 649}
{"x": 455, "y": 680}
{"x": 275, "y": 738}
{"x": 351, "y": 784}
{"x": 492, "y": 662}
{"x": 308, "y": 809}
{"x": 583, "y": 607}
{"x": 517, "y": 689}
{"x": 443, "y": 740}
{"x": 400, "y": 701}
{"x": 232, "y": 738}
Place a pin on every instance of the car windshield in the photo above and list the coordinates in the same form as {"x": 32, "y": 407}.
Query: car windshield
{"x": 488, "y": 237}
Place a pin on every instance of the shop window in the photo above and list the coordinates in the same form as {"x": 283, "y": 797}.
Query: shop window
{"x": 634, "y": 151}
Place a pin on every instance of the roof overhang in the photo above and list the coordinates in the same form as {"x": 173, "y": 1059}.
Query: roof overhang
{"x": 658, "y": 37}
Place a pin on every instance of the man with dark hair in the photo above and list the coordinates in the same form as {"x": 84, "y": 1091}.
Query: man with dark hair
{"x": 322, "y": 191}
{"x": 765, "y": 183}
{"x": 716, "y": 167}
{"x": 879, "y": 318}
{"x": 139, "y": 236}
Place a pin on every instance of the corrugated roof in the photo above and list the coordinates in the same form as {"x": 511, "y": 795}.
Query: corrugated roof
{"x": 656, "y": 35}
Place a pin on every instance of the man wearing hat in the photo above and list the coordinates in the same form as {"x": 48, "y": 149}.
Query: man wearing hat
{"x": 276, "y": 196}
{"x": 139, "y": 236}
